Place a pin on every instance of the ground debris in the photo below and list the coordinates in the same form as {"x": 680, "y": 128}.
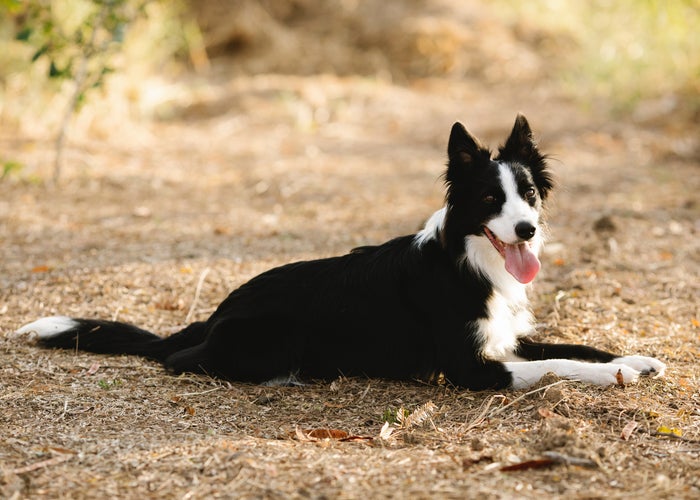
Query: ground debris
{"x": 156, "y": 222}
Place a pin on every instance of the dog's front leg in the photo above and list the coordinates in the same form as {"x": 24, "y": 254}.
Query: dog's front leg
{"x": 528, "y": 373}
{"x": 573, "y": 362}
{"x": 532, "y": 351}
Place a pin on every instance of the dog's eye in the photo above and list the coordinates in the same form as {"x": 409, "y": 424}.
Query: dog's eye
{"x": 530, "y": 194}
{"x": 489, "y": 198}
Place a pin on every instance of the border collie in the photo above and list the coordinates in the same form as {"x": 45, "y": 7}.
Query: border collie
{"x": 449, "y": 300}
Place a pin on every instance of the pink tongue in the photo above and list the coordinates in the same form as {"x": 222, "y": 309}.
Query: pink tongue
{"x": 521, "y": 262}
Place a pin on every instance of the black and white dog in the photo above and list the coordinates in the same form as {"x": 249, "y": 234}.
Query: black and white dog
{"x": 449, "y": 300}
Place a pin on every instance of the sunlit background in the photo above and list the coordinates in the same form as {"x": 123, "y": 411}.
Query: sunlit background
{"x": 90, "y": 68}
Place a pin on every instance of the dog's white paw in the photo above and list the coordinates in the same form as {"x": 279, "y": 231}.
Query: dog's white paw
{"x": 527, "y": 373}
{"x": 643, "y": 364}
{"x": 613, "y": 374}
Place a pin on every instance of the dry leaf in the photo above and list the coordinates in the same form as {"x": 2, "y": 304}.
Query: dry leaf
{"x": 628, "y": 430}
{"x": 170, "y": 304}
{"x": 669, "y": 431}
{"x": 417, "y": 417}
{"x": 326, "y": 434}
{"x": 386, "y": 431}
{"x": 619, "y": 378}
{"x": 322, "y": 434}
{"x": 301, "y": 436}
{"x": 546, "y": 413}
{"x": 93, "y": 369}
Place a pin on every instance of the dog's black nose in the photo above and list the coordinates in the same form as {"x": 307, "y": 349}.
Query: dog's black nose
{"x": 525, "y": 230}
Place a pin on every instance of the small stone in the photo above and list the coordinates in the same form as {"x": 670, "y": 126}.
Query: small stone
{"x": 604, "y": 224}
{"x": 477, "y": 444}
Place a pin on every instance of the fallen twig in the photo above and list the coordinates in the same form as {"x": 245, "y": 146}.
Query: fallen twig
{"x": 523, "y": 396}
{"x": 557, "y": 457}
{"x": 197, "y": 291}
{"x": 63, "y": 457}
{"x": 529, "y": 464}
{"x": 185, "y": 394}
{"x": 674, "y": 436}
{"x": 485, "y": 414}
{"x": 482, "y": 416}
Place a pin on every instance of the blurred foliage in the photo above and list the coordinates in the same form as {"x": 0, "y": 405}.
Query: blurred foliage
{"x": 76, "y": 37}
{"x": 10, "y": 167}
{"x": 626, "y": 50}
{"x": 623, "y": 51}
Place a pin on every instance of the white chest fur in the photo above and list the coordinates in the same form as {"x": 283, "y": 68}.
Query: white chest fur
{"x": 508, "y": 315}
{"x": 507, "y": 320}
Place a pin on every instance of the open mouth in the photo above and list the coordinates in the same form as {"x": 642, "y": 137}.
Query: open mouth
{"x": 521, "y": 262}
{"x": 497, "y": 244}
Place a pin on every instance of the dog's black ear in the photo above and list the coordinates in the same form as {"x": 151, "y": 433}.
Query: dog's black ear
{"x": 463, "y": 148}
{"x": 520, "y": 144}
{"x": 521, "y": 148}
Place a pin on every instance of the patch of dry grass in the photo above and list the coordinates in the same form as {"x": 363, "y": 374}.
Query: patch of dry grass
{"x": 135, "y": 243}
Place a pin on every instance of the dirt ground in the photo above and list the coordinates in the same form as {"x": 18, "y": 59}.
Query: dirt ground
{"x": 155, "y": 221}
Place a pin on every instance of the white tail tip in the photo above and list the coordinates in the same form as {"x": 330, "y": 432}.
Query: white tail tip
{"x": 45, "y": 328}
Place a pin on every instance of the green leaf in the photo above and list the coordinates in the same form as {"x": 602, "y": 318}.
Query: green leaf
{"x": 24, "y": 34}
{"x": 119, "y": 32}
{"x": 40, "y": 52}
{"x": 80, "y": 100}
{"x": 11, "y": 5}
{"x": 54, "y": 72}
{"x": 10, "y": 167}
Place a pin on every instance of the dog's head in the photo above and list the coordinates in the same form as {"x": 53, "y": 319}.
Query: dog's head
{"x": 494, "y": 203}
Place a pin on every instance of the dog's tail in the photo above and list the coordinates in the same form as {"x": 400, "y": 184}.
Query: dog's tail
{"x": 111, "y": 337}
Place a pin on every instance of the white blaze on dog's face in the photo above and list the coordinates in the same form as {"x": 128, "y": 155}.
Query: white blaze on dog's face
{"x": 518, "y": 207}
{"x": 514, "y": 230}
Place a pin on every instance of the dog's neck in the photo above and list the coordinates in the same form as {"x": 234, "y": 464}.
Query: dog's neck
{"x": 481, "y": 257}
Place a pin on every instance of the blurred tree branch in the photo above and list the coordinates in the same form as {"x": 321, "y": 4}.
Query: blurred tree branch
{"x": 79, "y": 42}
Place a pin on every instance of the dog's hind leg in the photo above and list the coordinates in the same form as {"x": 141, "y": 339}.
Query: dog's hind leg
{"x": 191, "y": 336}
{"x": 243, "y": 349}
{"x": 193, "y": 359}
